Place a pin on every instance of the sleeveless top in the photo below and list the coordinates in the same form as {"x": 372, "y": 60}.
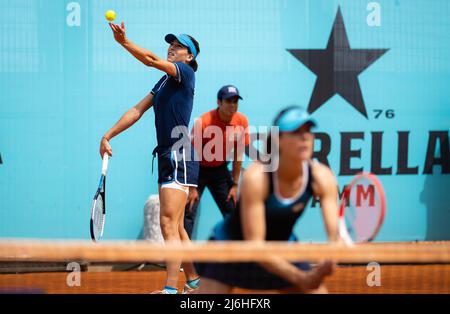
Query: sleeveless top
{"x": 281, "y": 214}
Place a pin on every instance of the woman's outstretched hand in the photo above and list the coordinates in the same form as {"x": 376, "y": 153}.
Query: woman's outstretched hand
{"x": 119, "y": 32}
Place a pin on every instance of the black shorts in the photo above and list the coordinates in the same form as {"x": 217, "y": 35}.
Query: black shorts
{"x": 174, "y": 166}
{"x": 250, "y": 276}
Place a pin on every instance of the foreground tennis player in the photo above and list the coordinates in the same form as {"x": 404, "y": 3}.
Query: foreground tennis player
{"x": 172, "y": 101}
{"x": 270, "y": 205}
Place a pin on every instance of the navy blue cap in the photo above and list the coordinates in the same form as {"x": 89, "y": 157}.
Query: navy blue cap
{"x": 183, "y": 39}
{"x": 293, "y": 118}
{"x": 228, "y": 91}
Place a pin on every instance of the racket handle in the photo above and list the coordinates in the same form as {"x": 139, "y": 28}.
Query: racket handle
{"x": 105, "y": 164}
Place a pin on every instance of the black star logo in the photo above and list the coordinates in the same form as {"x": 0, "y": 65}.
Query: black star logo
{"x": 337, "y": 68}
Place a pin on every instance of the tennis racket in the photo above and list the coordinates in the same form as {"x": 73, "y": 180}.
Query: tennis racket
{"x": 98, "y": 210}
{"x": 362, "y": 209}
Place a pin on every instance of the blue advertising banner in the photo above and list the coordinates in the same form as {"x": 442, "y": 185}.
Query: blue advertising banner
{"x": 374, "y": 74}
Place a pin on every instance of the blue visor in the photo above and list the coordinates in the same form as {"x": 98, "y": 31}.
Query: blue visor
{"x": 293, "y": 119}
{"x": 183, "y": 39}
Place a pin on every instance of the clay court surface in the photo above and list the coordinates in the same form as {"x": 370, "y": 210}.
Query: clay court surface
{"x": 40, "y": 266}
{"x": 352, "y": 279}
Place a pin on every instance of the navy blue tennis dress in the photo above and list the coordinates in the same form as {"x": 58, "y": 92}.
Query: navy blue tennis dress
{"x": 281, "y": 216}
{"x": 173, "y": 99}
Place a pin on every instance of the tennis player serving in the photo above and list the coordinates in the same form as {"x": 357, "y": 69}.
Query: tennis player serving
{"x": 269, "y": 207}
{"x": 172, "y": 101}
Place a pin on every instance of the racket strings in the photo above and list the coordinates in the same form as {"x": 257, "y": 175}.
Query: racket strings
{"x": 99, "y": 217}
{"x": 363, "y": 210}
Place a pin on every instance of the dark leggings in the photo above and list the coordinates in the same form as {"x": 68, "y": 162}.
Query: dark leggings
{"x": 219, "y": 182}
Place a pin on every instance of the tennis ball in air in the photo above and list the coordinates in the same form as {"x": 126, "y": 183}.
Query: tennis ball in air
{"x": 110, "y": 15}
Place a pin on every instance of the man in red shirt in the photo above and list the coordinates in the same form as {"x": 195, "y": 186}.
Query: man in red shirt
{"x": 219, "y": 136}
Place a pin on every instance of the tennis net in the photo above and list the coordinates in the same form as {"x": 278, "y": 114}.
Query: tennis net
{"x": 138, "y": 267}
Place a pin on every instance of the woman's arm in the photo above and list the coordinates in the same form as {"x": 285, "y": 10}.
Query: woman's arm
{"x": 126, "y": 121}
{"x": 325, "y": 187}
{"x": 145, "y": 56}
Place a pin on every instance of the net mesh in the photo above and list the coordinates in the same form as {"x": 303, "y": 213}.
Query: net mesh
{"x": 138, "y": 267}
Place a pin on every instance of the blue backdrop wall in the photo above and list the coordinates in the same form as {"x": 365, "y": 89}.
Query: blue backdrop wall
{"x": 64, "y": 81}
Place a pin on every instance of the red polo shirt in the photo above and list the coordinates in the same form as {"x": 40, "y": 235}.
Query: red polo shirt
{"x": 230, "y": 135}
